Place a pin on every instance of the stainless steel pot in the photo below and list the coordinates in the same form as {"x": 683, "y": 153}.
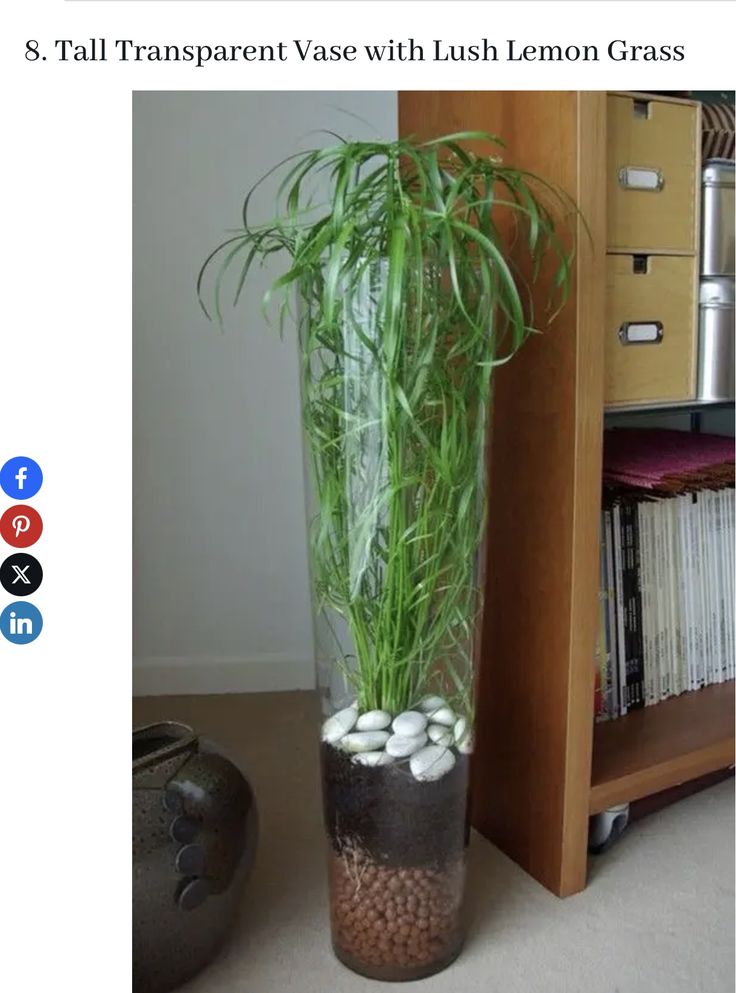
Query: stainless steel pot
{"x": 716, "y": 340}
{"x": 717, "y": 246}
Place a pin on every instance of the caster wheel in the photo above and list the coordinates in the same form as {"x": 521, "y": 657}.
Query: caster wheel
{"x": 606, "y": 828}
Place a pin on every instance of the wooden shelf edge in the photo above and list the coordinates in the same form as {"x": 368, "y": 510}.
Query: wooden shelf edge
{"x": 677, "y": 253}
{"x": 665, "y": 406}
{"x": 662, "y": 776}
{"x": 656, "y": 748}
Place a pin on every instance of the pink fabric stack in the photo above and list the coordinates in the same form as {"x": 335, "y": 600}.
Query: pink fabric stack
{"x": 666, "y": 461}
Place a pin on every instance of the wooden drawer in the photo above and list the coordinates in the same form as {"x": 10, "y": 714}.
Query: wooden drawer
{"x": 645, "y": 304}
{"x": 652, "y": 175}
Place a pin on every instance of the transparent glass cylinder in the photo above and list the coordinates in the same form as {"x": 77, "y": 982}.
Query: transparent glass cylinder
{"x": 395, "y": 395}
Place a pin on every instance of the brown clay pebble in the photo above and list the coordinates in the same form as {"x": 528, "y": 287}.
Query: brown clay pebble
{"x": 393, "y": 918}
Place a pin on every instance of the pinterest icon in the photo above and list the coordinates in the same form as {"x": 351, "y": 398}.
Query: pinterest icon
{"x": 21, "y": 526}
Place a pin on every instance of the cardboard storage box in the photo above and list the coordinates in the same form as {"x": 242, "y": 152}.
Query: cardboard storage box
{"x": 653, "y": 155}
{"x": 651, "y": 329}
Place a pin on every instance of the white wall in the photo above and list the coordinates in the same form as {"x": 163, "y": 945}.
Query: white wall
{"x": 221, "y": 598}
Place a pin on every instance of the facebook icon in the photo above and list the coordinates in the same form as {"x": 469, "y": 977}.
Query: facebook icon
{"x": 21, "y": 478}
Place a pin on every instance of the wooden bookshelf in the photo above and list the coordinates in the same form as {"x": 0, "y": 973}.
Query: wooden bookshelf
{"x": 541, "y": 765}
{"x": 659, "y": 747}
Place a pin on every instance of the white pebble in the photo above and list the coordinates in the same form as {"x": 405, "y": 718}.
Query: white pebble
{"x": 440, "y": 735}
{"x": 428, "y": 704}
{"x": 460, "y": 730}
{"x": 401, "y": 746}
{"x": 337, "y": 726}
{"x": 373, "y": 758}
{"x": 373, "y": 720}
{"x": 443, "y": 716}
{"x": 466, "y": 745}
{"x": 364, "y": 741}
{"x": 409, "y": 724}
{"x": 431, "y": 763}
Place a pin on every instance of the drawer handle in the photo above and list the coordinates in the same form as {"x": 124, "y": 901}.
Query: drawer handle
{"x": 641, "y": 178}
{"x": 640, "y": 333}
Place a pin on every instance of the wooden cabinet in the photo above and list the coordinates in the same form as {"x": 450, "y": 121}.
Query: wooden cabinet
{"x": 540, "y": 767}
{"x": 652, "y": 174}
{"x": 531, "y": 770}
{"x": 650, "y": 332}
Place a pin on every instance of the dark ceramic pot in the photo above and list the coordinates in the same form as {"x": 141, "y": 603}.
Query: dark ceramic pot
{"x": 195, "y": 831}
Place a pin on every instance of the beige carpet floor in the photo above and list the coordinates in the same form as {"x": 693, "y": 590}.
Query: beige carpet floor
{"x": 657, "y": 916}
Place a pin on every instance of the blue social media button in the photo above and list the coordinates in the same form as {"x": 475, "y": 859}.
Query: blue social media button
{"x": 21, "y": 622}
{"x": 21, "y": 477}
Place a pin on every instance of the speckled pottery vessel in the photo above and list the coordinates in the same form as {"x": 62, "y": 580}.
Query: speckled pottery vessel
{"x": 195, "y": 832}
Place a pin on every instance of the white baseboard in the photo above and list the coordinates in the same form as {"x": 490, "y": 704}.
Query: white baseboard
{"x": 186, "y": 676}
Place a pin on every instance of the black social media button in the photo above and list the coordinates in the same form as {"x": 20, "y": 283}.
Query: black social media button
{"x": 21, "y": 574}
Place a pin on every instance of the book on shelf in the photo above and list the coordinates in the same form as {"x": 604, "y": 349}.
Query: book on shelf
{"x": 666, "y": 585}
{"x": 611, "y": 700}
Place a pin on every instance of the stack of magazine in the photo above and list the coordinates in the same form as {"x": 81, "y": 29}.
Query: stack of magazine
{"x": 666, "y": 568}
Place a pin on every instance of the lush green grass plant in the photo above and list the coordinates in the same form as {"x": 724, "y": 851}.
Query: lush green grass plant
{"x": 408, "y": 277}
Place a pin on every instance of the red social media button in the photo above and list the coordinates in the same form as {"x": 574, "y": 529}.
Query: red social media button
{"x": 21, "y": 526}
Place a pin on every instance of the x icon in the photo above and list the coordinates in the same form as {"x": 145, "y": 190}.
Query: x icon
{"x": 20, "y": 574}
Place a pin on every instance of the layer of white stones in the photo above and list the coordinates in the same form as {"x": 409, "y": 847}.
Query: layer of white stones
{"x": 428, "y": 737}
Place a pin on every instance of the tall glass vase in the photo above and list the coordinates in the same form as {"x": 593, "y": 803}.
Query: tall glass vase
{"x": 395, "y": 394}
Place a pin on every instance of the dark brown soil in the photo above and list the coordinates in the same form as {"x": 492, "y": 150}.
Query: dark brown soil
{"x": 394, "y": 819}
